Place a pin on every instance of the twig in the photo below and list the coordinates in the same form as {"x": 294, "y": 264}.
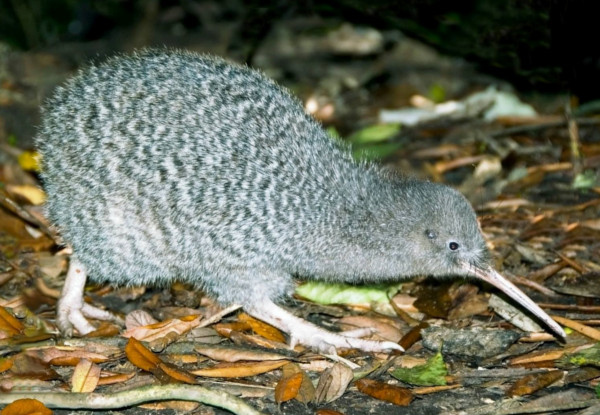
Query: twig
{"x": 574, "y": 140}
{"x": 521, "y": 129}
{"x": 137, "y": 396}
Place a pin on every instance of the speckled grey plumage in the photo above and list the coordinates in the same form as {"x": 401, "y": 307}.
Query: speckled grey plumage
{"x": 170, "y": 165}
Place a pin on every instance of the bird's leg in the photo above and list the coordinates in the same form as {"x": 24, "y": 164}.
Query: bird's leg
{"x": 71, "y": 311}
{"x": 308, "y": 334}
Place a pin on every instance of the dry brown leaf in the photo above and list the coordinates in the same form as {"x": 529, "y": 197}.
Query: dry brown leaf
{"x": 105, "y": 329}
{"x": 262, "y": 329}
{"x": 225, "y": 329}
{"x": 294, "y": 383}
{"x": 65, "y": 355}
{"x": 85, "y": 377}
{"x": 9, "y": 326}
{"x": 26, "y": 407}
{"x": 333, "y": 383}
{"x": 140, "y": 356}
{"x": 255, "y": 340}
{"x": 328, "y": 412}
{"x": 5, "y": 363}
{"x": 143, "y": 358}
{"x": 235, "y": 354}
{"x": 239, "y": 370}
{"x": 178, "y": 375}
{"x": 532, "y": 383}
{"x": 288, "y": 386}
{"x": 384, "y": 392}
{"x": 112, "y": 379}
{"x": 541, "y": 356}
{"x": 29, "y": 366}
{"x": 158, "y": 330}
{"x": 426, "y": 390}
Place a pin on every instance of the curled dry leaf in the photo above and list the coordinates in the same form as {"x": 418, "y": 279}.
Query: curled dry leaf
{"x": 532, "y": 383}
{"x": 333, "y": 383}
{"x": 263, "y": 329}
{"x": 385, "y": 392}
{"x": 143, "y": 358}
{"x": 294, "y": 384}
{"x": 140, "y": 356}
{"x": 26, "y": 407}
{"x": 9, "y": 326}
{"x": 85, "y": 377}
{"x": 239, "y": 370}
{"x": 287, "y": 388}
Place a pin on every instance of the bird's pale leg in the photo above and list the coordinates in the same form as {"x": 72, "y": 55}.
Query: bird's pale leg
{"x": 71, "y": 311}
{"x": 308, "y": 334}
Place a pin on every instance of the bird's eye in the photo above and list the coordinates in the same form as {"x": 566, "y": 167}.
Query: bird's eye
{"x": 453, "y": 246}
{"x": 430, "y": 234}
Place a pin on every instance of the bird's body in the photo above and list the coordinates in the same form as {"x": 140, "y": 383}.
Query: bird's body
{"x": 167, "y": 166}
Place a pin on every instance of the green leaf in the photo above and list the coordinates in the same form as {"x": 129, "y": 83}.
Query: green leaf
{"x": 432, "y": 373}
{"x": 586, "y": 357}
{"x": 585, "y": 180}
{"x": 374, "y": 133}
{"x": 437, "y": 93}
{"x": 326, "y": 293}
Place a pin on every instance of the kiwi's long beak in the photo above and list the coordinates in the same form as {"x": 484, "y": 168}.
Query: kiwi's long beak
{"x": 492, "y": 277}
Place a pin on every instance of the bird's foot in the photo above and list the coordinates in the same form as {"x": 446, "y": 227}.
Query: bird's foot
{"x": 307, "y": 334}
{"x": 71, "y": 311}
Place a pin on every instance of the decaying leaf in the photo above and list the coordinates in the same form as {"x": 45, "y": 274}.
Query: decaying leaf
{"x": 589, "y": 356}
{"x": 385, "y": 392}
{"x": 29, "y": 366}
{"x": 26, "y": 407}
{"x": 287, "y": 388}
{"x": 294, "y": 384}
{"x": 85, "y": 377}
{"x": 333, "y": 383}
{"x": 532, "y": 383}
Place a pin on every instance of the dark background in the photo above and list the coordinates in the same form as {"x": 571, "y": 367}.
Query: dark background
{"x": 535, "y": 44}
